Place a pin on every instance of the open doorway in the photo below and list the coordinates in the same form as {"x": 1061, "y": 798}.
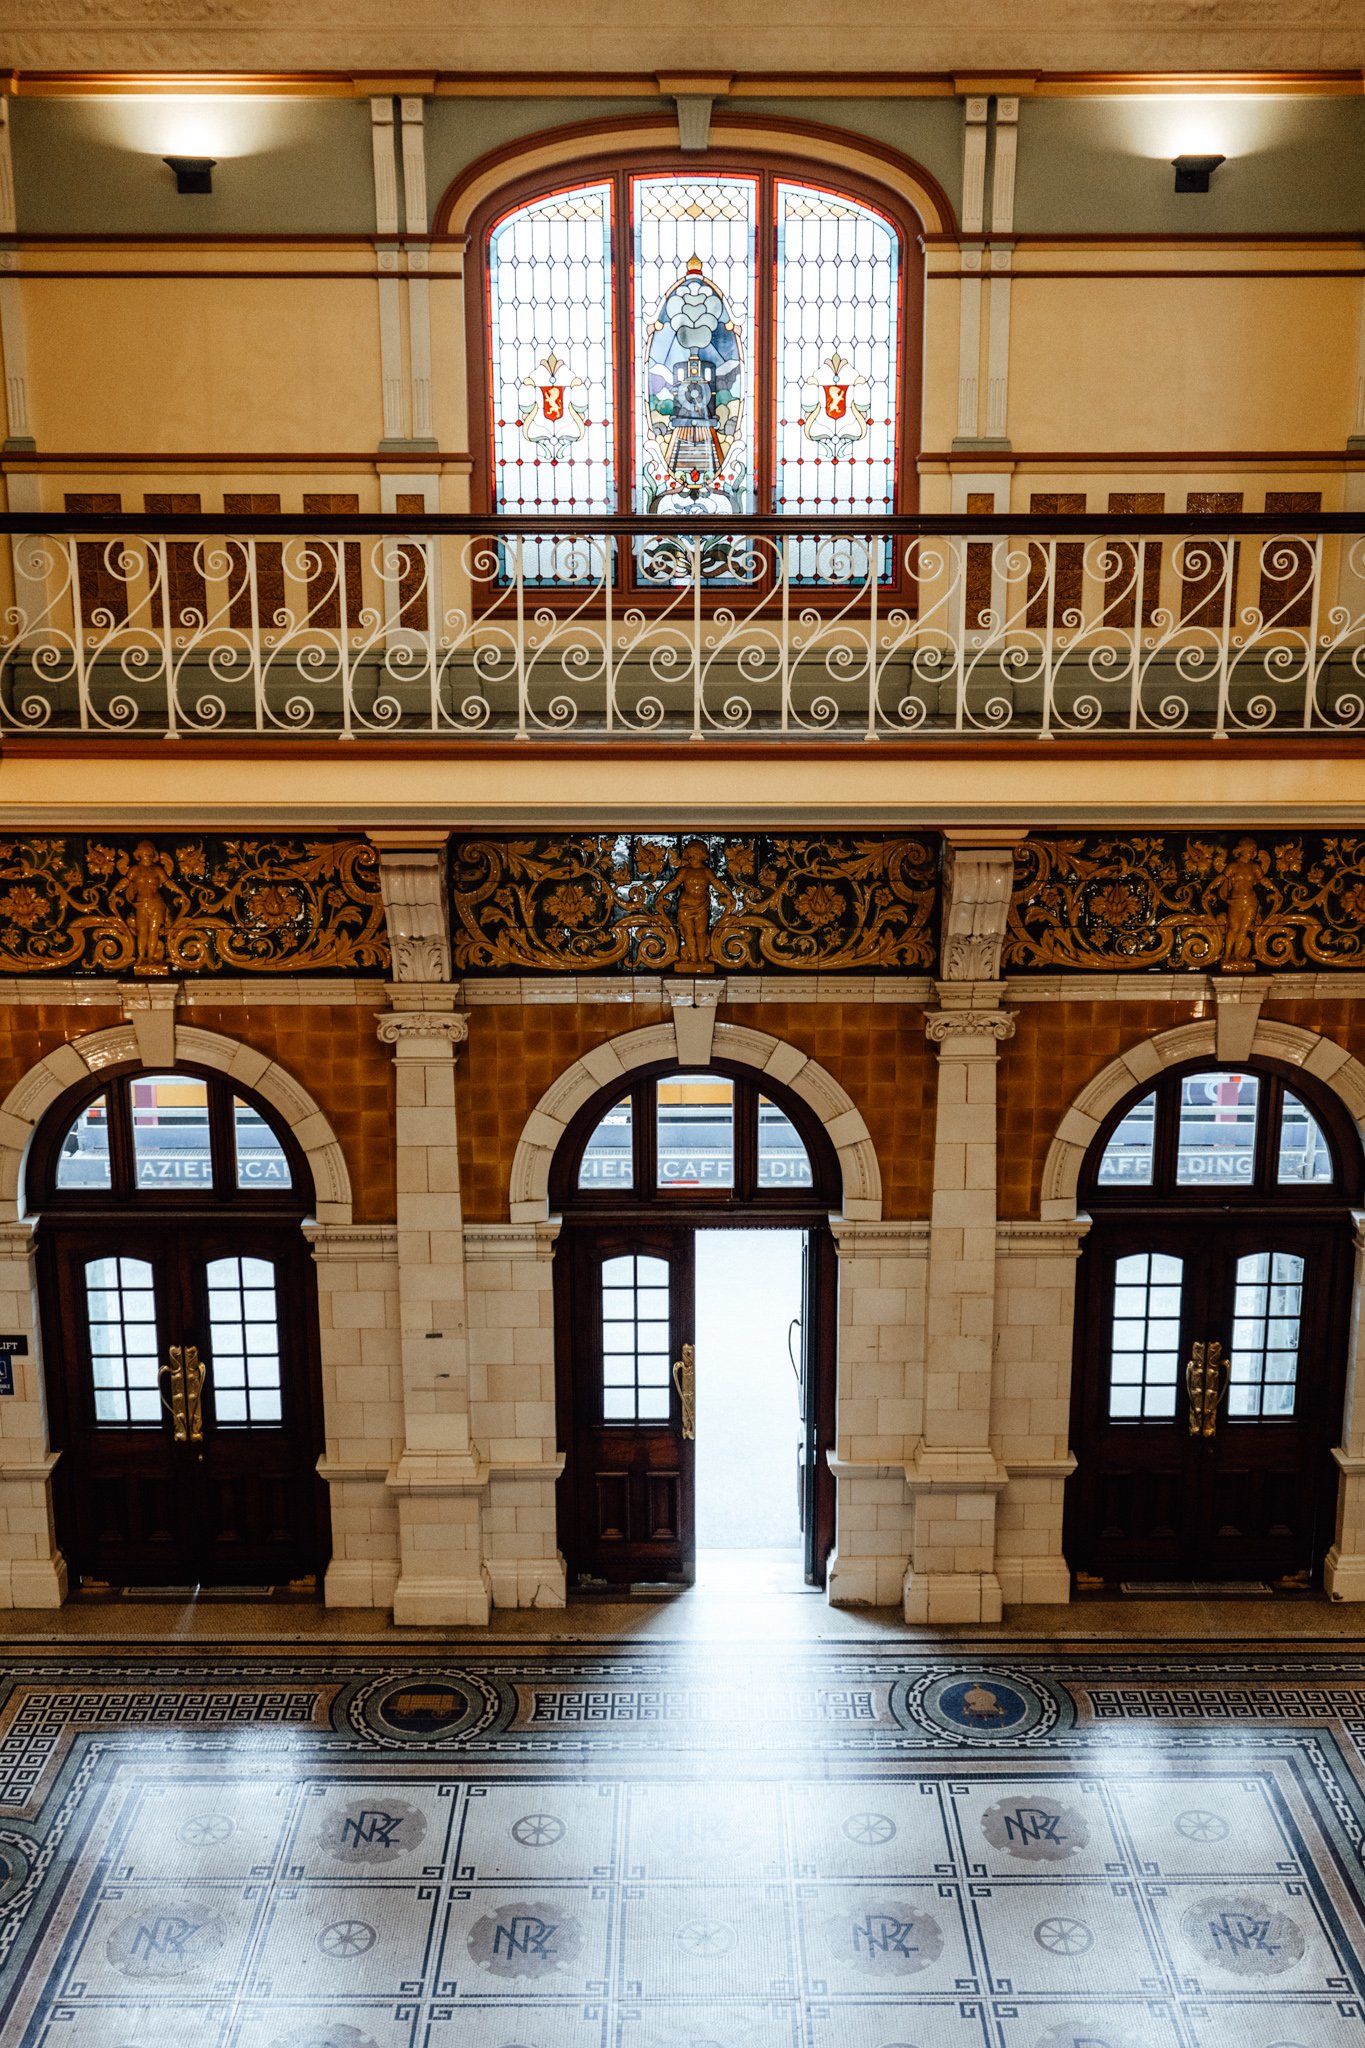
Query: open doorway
{"x": 750, "y": 1443}
{"x": 696, "y": 1322}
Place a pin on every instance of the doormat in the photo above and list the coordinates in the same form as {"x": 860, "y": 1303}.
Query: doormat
{"x": 1195, "y": 1589}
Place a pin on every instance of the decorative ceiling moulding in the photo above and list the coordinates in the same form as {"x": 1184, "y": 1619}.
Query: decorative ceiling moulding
{"x": 694, "y": 903}
{"x": 1229, "y": 902}
{"x": 151, "y": 907}
{"x": 760, "y": 84}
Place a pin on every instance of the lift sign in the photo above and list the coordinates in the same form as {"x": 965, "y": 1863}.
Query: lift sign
{"x": 10, "y": 1348}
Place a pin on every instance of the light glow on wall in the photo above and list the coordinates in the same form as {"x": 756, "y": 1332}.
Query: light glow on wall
{"x": 217, "y": 128}
{"x": 1183, "y": 125}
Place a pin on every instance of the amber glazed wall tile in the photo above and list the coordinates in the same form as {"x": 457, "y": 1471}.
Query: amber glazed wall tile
{"x": 1056, "y": 1049}
{"x": 28, "y": 1035}
{"x": 879, "y": 1056}
{"x": 513, "y": 1054}
{"x": 335, "y": 1055}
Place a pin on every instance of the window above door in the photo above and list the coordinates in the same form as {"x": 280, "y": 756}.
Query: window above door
{"x": 685, "y": 1140}
{"x": 1225, "y": 1134}
{"x": 172, "y": 1139}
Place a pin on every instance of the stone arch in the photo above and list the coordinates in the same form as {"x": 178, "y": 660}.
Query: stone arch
{"x": 1315, "y": 1054}
{"x": 152, "y": 1040}
{"x": 693, "y": 1040}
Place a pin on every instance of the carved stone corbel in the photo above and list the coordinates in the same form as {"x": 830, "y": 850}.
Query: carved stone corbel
{"x": 412, "y": 879}
{"x": 977, "y": 885}
{"x": 694, "y": 95}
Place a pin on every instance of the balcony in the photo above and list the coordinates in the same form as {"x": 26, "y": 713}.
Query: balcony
{"x": 1019, "y": 628}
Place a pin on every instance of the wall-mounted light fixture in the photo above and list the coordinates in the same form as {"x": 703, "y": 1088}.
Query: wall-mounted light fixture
{"x": 192, "y": 173}
{"x": 1192, "y": 173}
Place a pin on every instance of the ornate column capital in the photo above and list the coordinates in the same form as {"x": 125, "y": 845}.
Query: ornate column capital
{"x": 397, "y": 1027}
{"x": 944, "y": 1024}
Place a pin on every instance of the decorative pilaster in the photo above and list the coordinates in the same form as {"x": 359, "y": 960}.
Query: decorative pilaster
{"x": 382, "y": 133}
{"x": 419, "y": 288}
{"x": 975, "y": 113}
{"x": 32, "y": 1569}
{"x": 1002, "y": 265}
{"x": 954, "y": 1474}
{"x": 439, "y": 1477}
{"x": 1344, "y": 1570}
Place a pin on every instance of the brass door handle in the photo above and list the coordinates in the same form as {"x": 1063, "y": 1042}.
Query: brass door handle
{"x": 194, "y": 1370}
{"x": 685, "y": 1380}
{"x": 171, "y": 1379}
{"x": 1206, "y": 1382}
{"x": 181, "y": 1380}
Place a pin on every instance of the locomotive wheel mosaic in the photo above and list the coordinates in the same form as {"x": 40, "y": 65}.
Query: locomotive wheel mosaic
{"x": 834, "y": 1846}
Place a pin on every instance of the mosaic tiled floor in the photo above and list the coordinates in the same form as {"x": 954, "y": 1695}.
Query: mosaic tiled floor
{"x": 823, "y": 1847}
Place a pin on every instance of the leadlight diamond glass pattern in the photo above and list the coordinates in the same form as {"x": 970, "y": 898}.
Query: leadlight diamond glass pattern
{"x": 707, "y": 428}
{"x": 838, "y": 346}
{"x": 551, "y": 371}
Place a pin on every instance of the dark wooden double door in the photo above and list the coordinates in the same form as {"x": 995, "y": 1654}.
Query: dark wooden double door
{"x": 183, "y": 1389}
{"x": 626, "y": 1320}
{"x": 1209, "y": 1382}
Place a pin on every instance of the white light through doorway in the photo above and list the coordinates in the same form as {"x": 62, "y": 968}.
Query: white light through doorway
{"x": 748, "y": 1294}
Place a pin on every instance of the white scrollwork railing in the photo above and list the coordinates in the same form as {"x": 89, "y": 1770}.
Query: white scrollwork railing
{"x": 1025, "y": 628}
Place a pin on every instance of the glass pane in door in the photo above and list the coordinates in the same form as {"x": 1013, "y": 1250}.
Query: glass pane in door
{"x": 636, "y": 1363}
{"x": 121, "y": 1318}
{"x": 244, "y": 1342}
{"x": 1265, "y": 1334}
{"x": 1144, "y": 1356}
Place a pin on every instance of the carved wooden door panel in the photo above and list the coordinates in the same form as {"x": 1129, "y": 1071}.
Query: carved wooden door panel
{"x": 626, "y": 1340}
{"x": 1209, "y": 1378}
{"x": 182, "y": 1404}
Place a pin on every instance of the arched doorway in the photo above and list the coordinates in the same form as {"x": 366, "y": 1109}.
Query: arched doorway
{"x": 646, "y": 1175}
{"x": 1212, "y": 1324}
{"x": 179, "y": 1333}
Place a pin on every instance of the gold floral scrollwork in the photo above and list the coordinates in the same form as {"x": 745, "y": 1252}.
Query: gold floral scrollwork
{"x": 1232, "y": 902}
{"x": 190, "y": 906}
{"x": 692, "y": 903}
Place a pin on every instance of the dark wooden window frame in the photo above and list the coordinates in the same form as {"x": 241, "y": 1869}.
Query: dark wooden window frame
{"x": 705, "y": 1206}
{"x": 223, "y": 1195}
{"x": 1275, "y": 1077}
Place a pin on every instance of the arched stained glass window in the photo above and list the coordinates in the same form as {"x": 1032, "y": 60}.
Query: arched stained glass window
{"x": 731, "y": 342}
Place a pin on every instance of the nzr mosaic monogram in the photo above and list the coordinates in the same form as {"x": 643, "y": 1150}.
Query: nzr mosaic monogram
{"x": 948, "y": 1854}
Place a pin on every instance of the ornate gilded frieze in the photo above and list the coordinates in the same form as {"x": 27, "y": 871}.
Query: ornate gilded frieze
{"x": 1228, "y": 901}
{"x": 166, "y": 906}
{"x": 692, "y": 903}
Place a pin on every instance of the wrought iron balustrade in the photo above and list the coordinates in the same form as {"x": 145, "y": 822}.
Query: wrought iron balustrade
{"x": 1024, "y": 626}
